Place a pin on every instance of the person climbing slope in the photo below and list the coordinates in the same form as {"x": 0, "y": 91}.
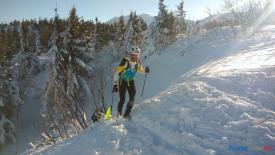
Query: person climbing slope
{"x": 124, "y": 79}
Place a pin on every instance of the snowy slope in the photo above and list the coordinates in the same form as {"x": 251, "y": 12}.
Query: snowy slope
{"x": 217, "y": 98}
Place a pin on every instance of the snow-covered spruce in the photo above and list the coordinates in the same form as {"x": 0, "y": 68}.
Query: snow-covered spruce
{"x": 7, "y": 128}
{"x": 69, "y": 73}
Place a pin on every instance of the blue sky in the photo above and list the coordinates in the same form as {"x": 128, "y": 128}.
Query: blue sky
{"x": 103, "y": 9}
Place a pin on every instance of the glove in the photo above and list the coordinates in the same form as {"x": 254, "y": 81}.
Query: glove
{"x": 147, "y": 70}
{"x": 115, "y": 89}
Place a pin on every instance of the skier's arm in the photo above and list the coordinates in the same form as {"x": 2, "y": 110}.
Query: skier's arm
{"x": 121, "y": 66}
{"x": 141, "y": 70}
{"x": 119, "y": 69}
{"x": 116, "y": 78}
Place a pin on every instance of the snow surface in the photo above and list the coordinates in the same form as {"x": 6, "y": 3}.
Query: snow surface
{"x": 218, "y": 95}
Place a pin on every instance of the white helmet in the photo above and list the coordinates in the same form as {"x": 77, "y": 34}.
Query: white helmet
{"x": 135, "y": 50}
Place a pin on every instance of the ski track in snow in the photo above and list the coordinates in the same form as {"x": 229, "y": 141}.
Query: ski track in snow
{"x": 228, "y": 101}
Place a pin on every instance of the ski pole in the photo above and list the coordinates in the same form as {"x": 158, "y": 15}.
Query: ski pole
{"x": 112, "y": 100}
{"x": 112, "y": 93}
{"x": 143, "y": 84}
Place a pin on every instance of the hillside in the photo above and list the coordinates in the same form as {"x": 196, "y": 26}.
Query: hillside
{"x": 215, "y": 98}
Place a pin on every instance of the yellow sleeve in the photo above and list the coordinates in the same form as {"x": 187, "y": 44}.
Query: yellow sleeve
{"x": 122, "y": 66}
{"x": 120, "y": 69}
{"x": 140, "y": 68}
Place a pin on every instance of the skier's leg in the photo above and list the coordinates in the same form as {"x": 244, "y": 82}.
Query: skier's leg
{"x": 122, "y": 92}
{"x": 132, "y": 92}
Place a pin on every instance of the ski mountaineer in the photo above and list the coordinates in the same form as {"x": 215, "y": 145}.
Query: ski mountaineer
{"x": 124, "y": 79}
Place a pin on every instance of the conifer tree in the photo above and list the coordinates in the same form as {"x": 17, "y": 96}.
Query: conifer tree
{"x": 7, "y": 128}
{"x": 2, "y": 47}
{"x": 181, "y": 14}
{"x": 64, "y": 106}
{"x": 165, "y": 27}
{"x": 121, "y": 30}
{"x": 137, "y": 30}
{"x": 133, "y": 35}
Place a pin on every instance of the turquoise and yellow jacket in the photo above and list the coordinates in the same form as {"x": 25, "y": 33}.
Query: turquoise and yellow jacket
{"x": 126, "y": 70}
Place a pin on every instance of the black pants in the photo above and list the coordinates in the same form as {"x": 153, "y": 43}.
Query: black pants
{"x": 130, "y": 87}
